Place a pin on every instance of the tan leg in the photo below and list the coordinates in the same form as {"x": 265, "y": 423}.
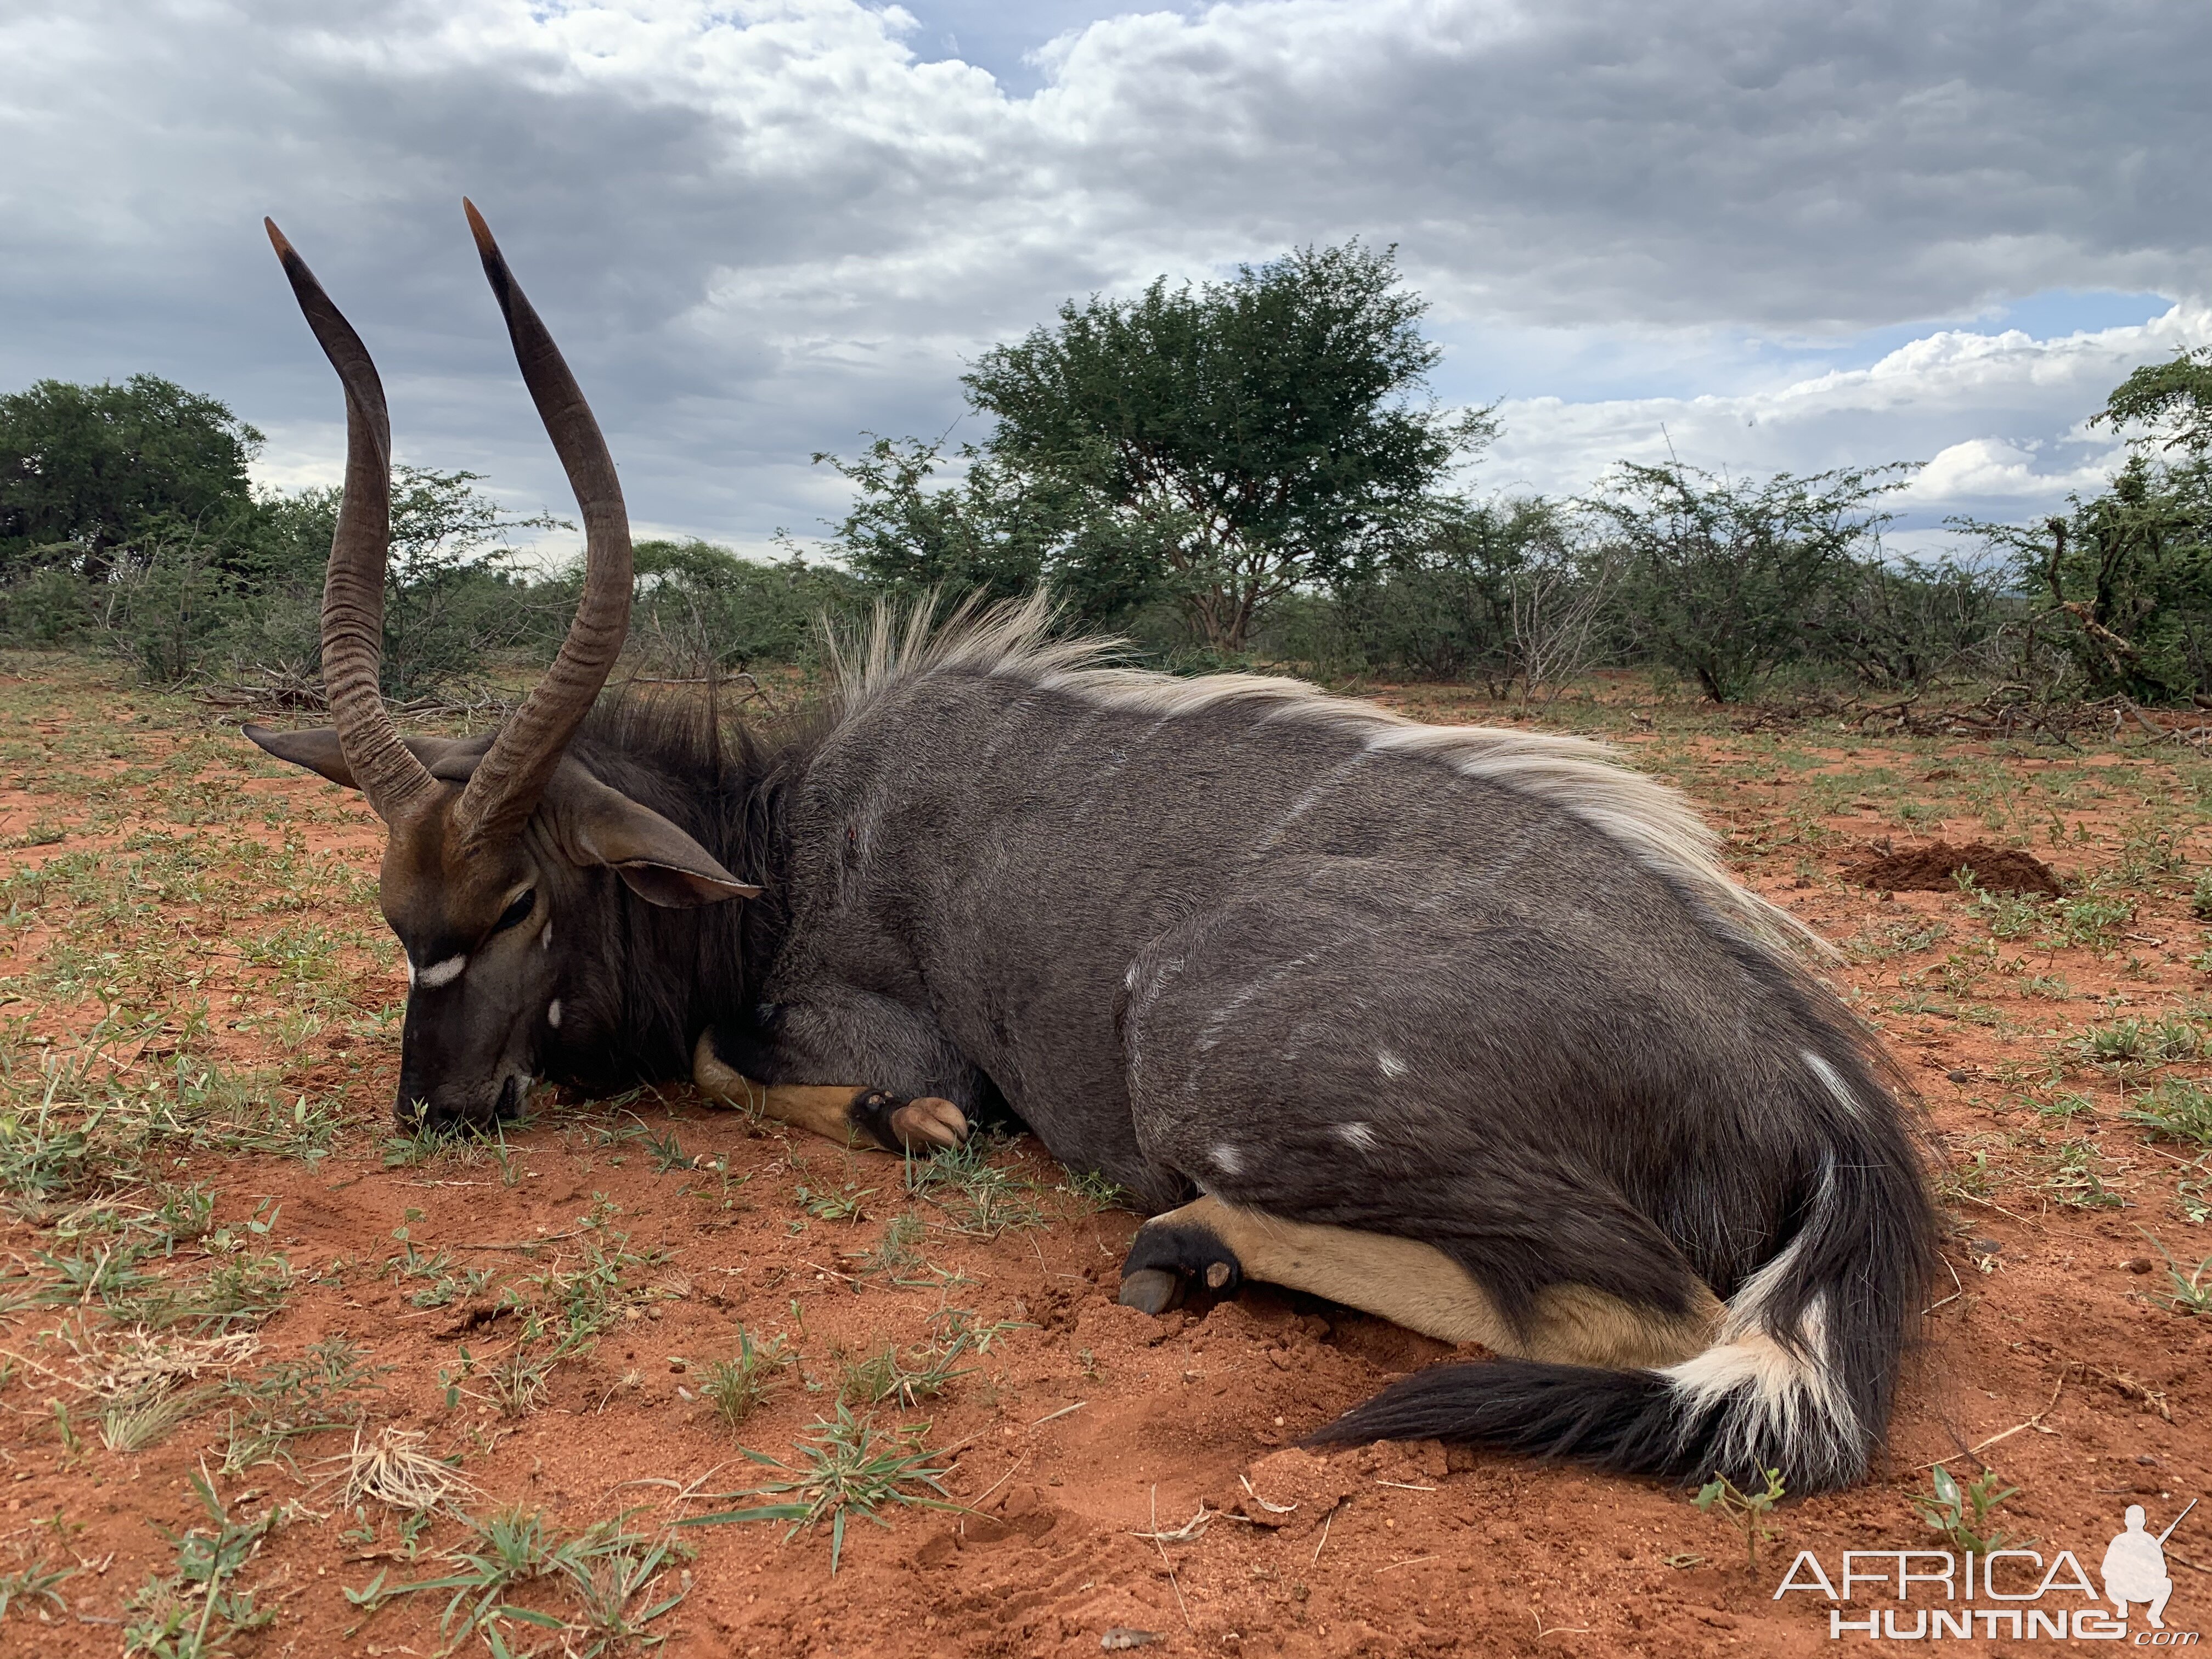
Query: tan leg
{"x": 1419, "y": 1286}
{"x": 850, "y": 1115}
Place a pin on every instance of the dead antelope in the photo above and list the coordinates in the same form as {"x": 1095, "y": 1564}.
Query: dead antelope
{"x": 1467, "y": 1028}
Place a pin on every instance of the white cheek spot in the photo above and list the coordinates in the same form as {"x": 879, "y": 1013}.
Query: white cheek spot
{"x": 1358, "y": 1136}
{"x": 1228, "y": 1160}
{"x": 553, "y": 1013}
{"x": 1391, "y": 1065}
{"x": 545, "y": 939}
{"x": 441, "y": 973}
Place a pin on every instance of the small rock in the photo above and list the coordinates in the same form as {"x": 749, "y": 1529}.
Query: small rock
{"x": 1122, "y": 1637}
{"x": 2138, "y": 1264}
{"x": 1960, "y": 1074}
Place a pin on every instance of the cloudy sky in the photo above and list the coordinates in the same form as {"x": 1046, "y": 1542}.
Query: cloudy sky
{"x": 1770, "y": 235}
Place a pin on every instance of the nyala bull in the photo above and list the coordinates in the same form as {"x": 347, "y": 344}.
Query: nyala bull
{"x": 1466, "y": 1028}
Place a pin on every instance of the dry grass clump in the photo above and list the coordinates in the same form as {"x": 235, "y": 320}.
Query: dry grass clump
{"x": 394, "y": 1469}
{"x": 138, "y": 1363}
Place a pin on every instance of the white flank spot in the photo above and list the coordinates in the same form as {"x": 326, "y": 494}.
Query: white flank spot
{"x": 1392, "y": 1066}
{"x": 1228, "y": 1160}
{"x": 545, "y": 939}
{"x": 441, "y": 973}
{"x": 553, "y": 1013}
{"x": 1358, "y": 1136}
{"x": 410, "y": 970}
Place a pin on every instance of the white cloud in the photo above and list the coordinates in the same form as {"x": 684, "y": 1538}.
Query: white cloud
{"x": 761, "y": 228}
{"x": 2000, "y": 419}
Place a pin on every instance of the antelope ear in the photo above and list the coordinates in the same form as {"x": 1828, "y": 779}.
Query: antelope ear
{"x": 595, "y": 824}
{"x": 316, "y": 749}
{"x": 451, "y": 759}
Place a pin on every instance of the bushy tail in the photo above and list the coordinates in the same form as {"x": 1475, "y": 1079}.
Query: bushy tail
{"x": 1799, "y": 1378}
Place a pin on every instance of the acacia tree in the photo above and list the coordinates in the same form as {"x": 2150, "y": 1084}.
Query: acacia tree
{"x": 1725, "y": 579}
{"x": 1510, "y": 593}
{"x": 85, "y": 470}
{"x": 995, "y": 530}
{"x": 2173, "y": 400}
{"x": 1249, "y": 436}
{"x": 2128, "y": 573}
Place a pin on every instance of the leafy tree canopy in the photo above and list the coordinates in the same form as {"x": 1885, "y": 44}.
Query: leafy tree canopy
{"x": 85, "y": 470}
{"x": 2128, "y": 574}
{"x": 996, "y": 529}
{"x": 2172, "y": 399}
{"x": 1725, "y": 579}
{"x": 1224, "y": 444}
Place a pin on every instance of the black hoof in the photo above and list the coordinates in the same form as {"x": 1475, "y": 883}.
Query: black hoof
{"x": 1151, "y": 1290}
{"x": 1165, "y": 1260}
{"x": 871, "y": 1113}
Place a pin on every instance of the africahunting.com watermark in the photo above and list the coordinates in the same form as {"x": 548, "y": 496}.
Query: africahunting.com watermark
{"x": 2011, "y": 1592}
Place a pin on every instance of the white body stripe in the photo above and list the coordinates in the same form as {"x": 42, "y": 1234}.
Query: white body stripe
{"x": 1826, "y": 1073}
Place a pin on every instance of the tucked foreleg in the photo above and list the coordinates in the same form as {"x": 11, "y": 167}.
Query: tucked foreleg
{"x": 1406, "y": 1282}
{"x": 852, "y": 1117}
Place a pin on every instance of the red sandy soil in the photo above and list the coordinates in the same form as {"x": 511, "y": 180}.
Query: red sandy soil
{"x": 1089, "y": 1425}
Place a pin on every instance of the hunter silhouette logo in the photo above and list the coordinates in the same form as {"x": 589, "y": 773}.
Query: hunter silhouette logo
{"x": 2135, "y": 1566}
{"x": 2008, "y": 1592}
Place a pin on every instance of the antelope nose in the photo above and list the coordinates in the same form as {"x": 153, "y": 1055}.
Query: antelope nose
{"x": 418, "y": 1108}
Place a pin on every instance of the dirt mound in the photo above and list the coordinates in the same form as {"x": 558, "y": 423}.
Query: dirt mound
{"x": 1934, "y": 868}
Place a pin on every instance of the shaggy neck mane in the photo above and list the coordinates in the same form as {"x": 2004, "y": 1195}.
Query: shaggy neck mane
{"x": 1651, "y": 822}
{"x": 669, "y": 972}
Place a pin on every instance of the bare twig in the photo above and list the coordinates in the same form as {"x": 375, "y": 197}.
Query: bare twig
{"x": 1537, "y": 1614}
{"x": 1326, "y": 1522}
{"x": 1245, "y": 1480}
{"x": 1174, "y": 1583}
{"x": 978, "y": 1499}
{"x": 2034, "y": 1422}
{"x": 525, "y": 1243}
{"x": 1957, "y": 1292}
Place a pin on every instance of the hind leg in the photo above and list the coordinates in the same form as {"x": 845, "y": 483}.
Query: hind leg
{"x": 1380, "y": 1117}
{"x": 1406, "y": 1282}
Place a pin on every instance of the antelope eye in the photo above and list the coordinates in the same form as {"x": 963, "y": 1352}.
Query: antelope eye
{"x": 517, "y": 913}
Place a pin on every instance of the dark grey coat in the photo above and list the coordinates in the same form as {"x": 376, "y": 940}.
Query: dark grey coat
{"x": 1486, "y": 989}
